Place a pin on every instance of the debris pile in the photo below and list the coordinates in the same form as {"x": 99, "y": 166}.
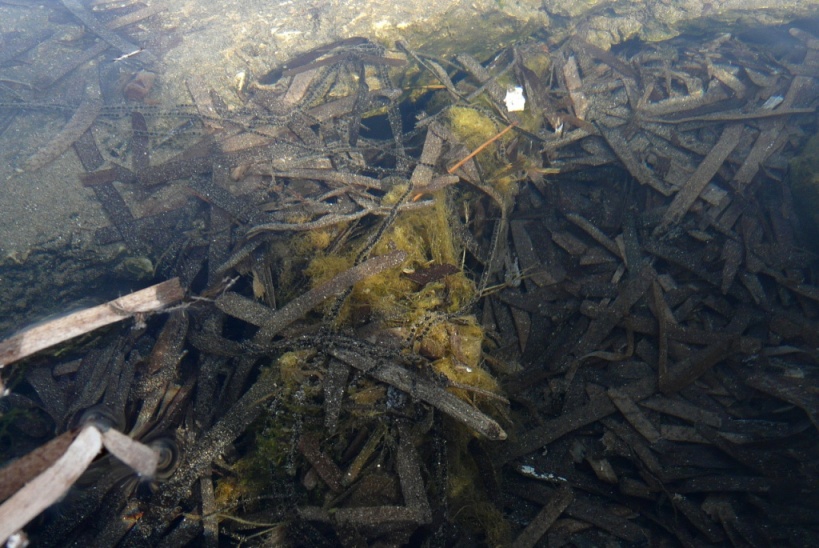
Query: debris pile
{"x": 415, "y": 316}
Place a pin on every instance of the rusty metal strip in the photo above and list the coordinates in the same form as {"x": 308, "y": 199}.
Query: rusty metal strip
{"x": 140, "y": 151}
{"x": 16, "y": 45}
{"x": 675, "y": 105}
{"x": 634, "y": 415}
{"x": 109, "y": 175}
{"x": 678, "y": 407}
{"x": 82, "y": 119}
{"x": 597, "y": 234}
{"x": 425, "y": 390}
{"x": 95, "y": 26}
{"x": 204, "y": 104}
{"x": 686, "y": 197}
{"x": 239, "y": 208}
{"x": 544, "y": 519}
{"x": 530, "y": 264}
{"x": 335, "y": 382}
{"x": 409, "y": 473}
{"x": 599, "y": 406}
{"x": 571, "y": 75}
{"x": 89, "y": 154}
{"x": 489, "y": 83}
{"x": 119, "y": 214}
{"x": 763, "y": 146}
{"x": 310, "y": 446}
{"x": 638, "y": 170}
{"x": 684, "y": 373}
{"x": 331, "y": 176}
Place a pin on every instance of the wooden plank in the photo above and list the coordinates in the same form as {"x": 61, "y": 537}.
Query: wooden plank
{"x": 39, "y": 337}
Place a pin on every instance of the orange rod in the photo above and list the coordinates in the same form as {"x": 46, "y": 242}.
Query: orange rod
{"x": 454, "y": 168}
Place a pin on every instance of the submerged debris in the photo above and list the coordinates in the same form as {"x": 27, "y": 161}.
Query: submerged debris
{"x": 592, "y": 318}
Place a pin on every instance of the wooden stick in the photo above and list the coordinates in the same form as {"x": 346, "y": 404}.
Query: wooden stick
{"x": 454, "y": 168}
{"x": 51, "y": 485}
{"x": 54, "y": 482}
{"x": 37, "y": 338}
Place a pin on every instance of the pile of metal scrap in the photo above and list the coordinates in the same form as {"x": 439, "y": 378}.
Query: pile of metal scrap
{"x": 666, "y": 320}
{"x": 588, "y": 321}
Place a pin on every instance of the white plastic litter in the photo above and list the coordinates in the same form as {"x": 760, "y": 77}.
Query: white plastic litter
{"x": 515, "y": 101}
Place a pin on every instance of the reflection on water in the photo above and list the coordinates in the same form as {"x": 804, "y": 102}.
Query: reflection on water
{"x": 413, "y": 313}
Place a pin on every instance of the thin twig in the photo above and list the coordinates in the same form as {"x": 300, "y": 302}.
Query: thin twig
{"x": 454, "y": 168}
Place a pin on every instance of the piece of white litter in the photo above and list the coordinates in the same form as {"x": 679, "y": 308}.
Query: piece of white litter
{"x": 515, "y": 101}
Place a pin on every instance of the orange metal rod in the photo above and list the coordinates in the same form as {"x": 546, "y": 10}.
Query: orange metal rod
{"x": 454, "y": 168}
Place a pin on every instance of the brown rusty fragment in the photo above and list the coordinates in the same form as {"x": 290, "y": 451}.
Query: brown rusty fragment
{"x": 632, "y": 292}
{"x": 331, "y": 176}
{"x": 723, "y": 484}
{"x": 174, "y": 170}
{"x": 571, "y": 75}
{"x": 238, "y": 207}
{"x": 597, "y": 234}
{"x": 688, "y": 261}
{"x": 686, "y": 196}
{"x": 732, "y": 254}
{"x": 119, "y": 214}
{"x": 335, "y": 383}
{"x": 637, "y": 168}
{"x": 633, "y": 415}
{"x": 764, "y": 145}
{"x": 409, "y": 473}
{"x": 113, "y": 174}
{"x": 363, "y": 456}
{"x": 85, "y": 115}
{"x": 677, "y": 407}
{"x": 198, "y": 88}
{"x": 523, "y": 326}
{"x": 140, "y": 153}
{"x": 530, "y": 264}
{"x": 695, "y": 514}
{"x": 418, "y": 387}
{"x": 687, "y": 434}
{"x": 570, "y": 243}
{"x": 379, "y": 515}
{"x": 91, "y": 22}
{"x": 684, "y": 373}
{"x": 686, "y": 103}
{"x": 584, "y": 508}
{"x": 790, "y": 389}
{"x": 544, "y": 519}
{"x": 309, "y": 445}
{"x": 495, "y": 91}
{"x": 599, "y": 406}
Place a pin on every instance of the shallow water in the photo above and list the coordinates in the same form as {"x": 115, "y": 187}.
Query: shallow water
{"x": 411, "y": 315}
